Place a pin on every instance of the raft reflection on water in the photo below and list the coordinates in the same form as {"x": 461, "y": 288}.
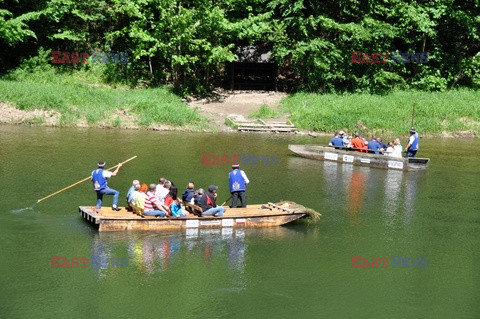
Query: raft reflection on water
{"x": 157, "y": 252}
{"x": 368, "y": 188}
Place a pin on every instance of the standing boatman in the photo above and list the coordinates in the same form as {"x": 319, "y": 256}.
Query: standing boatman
{"x": 99, "y": 179}
{"x": 237, "y": 179}
{"x": 412, "y": 146}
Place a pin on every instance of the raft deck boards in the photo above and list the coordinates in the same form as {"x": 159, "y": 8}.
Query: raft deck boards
{"x": 266, "y": 215}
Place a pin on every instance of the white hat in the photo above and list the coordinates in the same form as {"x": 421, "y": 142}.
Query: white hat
{"x": 342, "y": 133}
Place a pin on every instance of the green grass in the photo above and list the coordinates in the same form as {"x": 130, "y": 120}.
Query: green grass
{"x": 77, "y": 96}
{"x": 435, "y": 112}
{"x": 264, "y": 112}
{"x": 228, "y": 122}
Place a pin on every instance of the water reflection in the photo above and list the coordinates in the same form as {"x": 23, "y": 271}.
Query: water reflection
{"x": 356, "y": 192}
{"x": 411, "y": 187}
{"x": 368, "y": 189}
{"x": 152, "y": 253}
{"x": 393, "y": 185}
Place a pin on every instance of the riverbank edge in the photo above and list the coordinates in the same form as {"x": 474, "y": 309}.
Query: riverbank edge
{"x": 190, "y": 129}
{"x": 10, "y": 115}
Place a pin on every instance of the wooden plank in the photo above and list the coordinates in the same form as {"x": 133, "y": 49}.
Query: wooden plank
{"x": 279, "y": 125}
{"x": 263, "y": 125}
{"x": 281, "y": 208}
{"x": 270, "y": 128}
{"x": 194, "y": 209}
{"x": 275, "y": 123}
{"x": 269, "y": 123}
{"x": 267, "y": 129}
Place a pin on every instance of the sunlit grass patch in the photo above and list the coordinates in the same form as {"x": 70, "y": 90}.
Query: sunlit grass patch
{"x": 264, "y": 112}
{"x": 78, "y": 100}
{"x": 433, "y": 112}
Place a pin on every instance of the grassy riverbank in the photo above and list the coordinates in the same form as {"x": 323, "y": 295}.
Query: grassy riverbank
{"x": 45, "y": 96}
{"x": 79, "y": 99}
{"x": 436, "y": 113}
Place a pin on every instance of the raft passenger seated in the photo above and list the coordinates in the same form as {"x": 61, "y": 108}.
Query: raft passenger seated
{"x": 153, "y": 207}
{"x": 208, "y": 203}
{"x": 198, "y": 195}
{"x": 374, "y": 146}
{"x": 380, "y": 142}
{"x": 188, "y": 193}
{"x": 390, "y": 149}
{"x": 397, "y": 148}
{"x": 132, "y": 198}
{"x": 336, "y": 141}
{"x": 357, "y": 143}
{"x": 140, "y": 200}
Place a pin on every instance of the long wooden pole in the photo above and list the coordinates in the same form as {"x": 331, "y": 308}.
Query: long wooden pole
{"x": 226, "y": 201}
{"x": 413, "y": 114}
{"x": 81, "y": 181}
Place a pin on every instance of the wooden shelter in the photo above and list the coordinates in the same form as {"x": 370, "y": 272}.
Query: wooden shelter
{"x": 252, "y": 70}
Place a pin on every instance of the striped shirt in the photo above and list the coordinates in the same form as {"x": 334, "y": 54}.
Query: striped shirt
{"x": 150, "y": 201}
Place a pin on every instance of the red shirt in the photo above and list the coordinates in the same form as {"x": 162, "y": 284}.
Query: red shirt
{"x": 357, "y": 142}
{"x": 168, "y": 200}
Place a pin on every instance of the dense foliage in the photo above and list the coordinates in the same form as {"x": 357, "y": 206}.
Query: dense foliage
{"x": 187, "y": 43}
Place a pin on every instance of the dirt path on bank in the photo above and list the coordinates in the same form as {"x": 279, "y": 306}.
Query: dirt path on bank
{"x": 235, "y": 104}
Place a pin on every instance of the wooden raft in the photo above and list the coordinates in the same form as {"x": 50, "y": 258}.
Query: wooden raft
{"x": 266, "y": 215}
{"x": 327, "y": 153}
{"x": 262, "y": 126}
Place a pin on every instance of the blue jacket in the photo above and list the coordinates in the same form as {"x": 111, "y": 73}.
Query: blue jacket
{"x": 175, "y": 209}
{"x": 414, "y": 145}
{"x": 187, "y": 194}
{"x": 130, "y": 192}
{"x": 99, "y": 182}
{"x": 236, "y": 180}
{"x": 373, "y": 145}
{"x": 337, "y": 141}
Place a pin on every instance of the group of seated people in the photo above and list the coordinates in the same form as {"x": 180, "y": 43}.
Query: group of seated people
{"x": 360, "y": 144}
{"x": 162, "y": 199}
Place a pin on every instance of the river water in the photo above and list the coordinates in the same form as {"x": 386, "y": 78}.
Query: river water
{"x": 300, "y": 270}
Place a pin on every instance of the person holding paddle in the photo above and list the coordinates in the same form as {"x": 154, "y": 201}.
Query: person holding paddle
{"x": 99, "y": 179}
{"x": 412, "y": 146}
{"x": 238, "y": 180}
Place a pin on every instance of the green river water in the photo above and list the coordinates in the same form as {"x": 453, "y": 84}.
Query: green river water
{"x": 295, "y": 271}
